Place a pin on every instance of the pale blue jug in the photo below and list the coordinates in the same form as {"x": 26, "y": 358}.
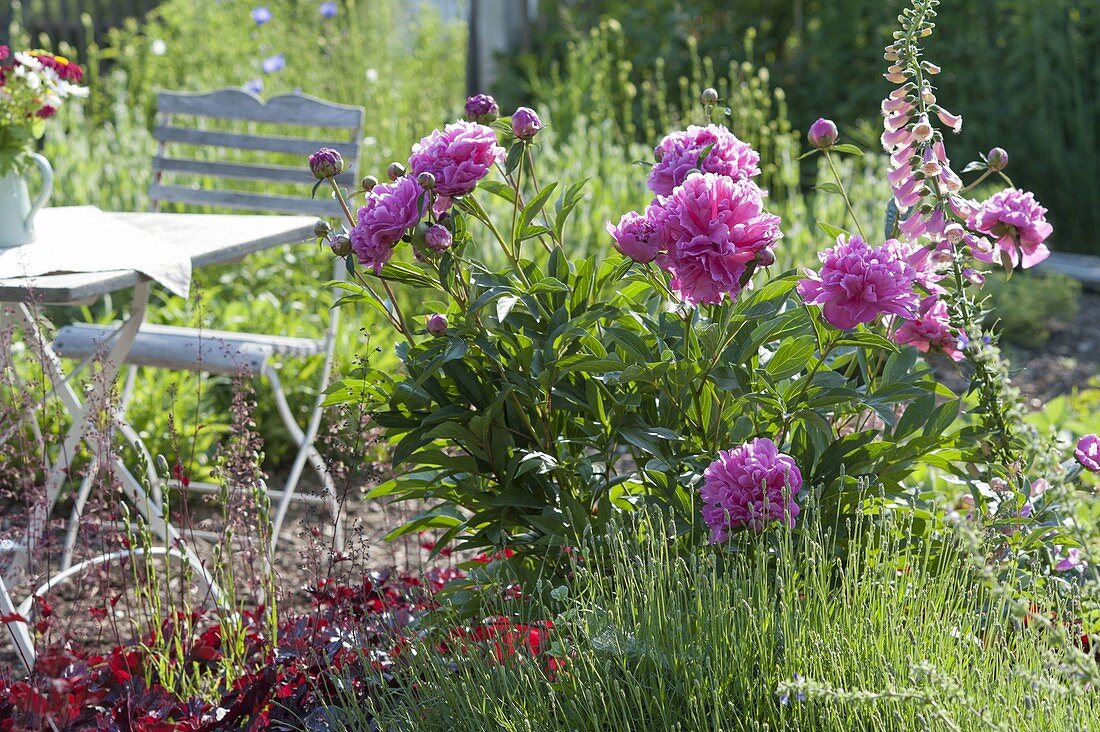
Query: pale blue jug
{"x": 16, "y": 209}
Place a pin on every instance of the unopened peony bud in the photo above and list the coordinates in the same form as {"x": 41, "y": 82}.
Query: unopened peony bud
{"x": 482, "y": 108}
{"x": 997, "y": 159}
{"x": 438, "y": 238}
{"x": 326, "y": 163}
{"x": 395, "y": 170}
{"x": 765, "y": 258}
{"x": 341, "y": 245}
{"x": 426, "y": 180}
{"x": 709, "y": 97}
{"x": 437, "y": 324}
{"x": 823, "y": 133}
{"x": 321, "y": 228}
{"x": 525, "y": 123}
{"x": 368, "y": 183}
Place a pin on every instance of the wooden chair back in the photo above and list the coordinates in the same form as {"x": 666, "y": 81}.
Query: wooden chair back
{"x": 189, "y": 125}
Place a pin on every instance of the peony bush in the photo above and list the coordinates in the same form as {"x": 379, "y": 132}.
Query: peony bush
{"x": 541, "y": 394}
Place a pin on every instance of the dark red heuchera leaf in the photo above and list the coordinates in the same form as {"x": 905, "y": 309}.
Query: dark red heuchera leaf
{"x": 354, "y": 637}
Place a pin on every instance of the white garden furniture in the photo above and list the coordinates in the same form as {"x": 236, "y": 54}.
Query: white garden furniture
{"x": 208, "y": 239}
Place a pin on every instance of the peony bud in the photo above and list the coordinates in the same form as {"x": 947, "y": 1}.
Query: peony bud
{"x": 765, "y": 258}
{"x": 823, "y": 133}
{"x": 368, "y": 183}
{"x": 437, "y": 324}
{"x": 341, "y": 245}
{"x": 482, "y": 108}
{"x": 395, "y": 170}
{"x": 525, "y": 123}
{"x": 997, "y": 159}
{"x": 438, "y": 238}
{"x": 321, "y": 228}
{"x": 709, "y": 97}
{"x": 426, "y": 180}
{"x": 326, "y": 163}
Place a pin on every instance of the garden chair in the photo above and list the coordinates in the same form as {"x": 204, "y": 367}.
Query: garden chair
{"x": 224, "y": 352}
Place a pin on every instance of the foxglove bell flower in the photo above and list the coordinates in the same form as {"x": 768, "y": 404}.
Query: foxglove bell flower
{"x": 679, "y": 153}
{"x": 750, "y": 487}
{"x": 858, "y": 283}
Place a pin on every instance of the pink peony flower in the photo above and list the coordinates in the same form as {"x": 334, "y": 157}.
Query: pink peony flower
{"x": 711, "y": 228}
{"x": 459, "y": 156}
{"x": 930, "y": 329}
{"x": 635, "y": 237}
{"x": 749, "y": 487}
{"x": 1088, "y": 453}
{"x": 858, "y": 283}
{"x": 1018, "y": 224}
{"x": 679, "y": 153}
{"x": 389, "y": 211}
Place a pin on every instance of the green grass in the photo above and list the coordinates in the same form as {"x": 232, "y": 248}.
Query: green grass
{"x": 774, "y": 636}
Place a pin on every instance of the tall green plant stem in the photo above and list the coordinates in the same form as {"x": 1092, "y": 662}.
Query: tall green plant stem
{"x": 844, "y": 193}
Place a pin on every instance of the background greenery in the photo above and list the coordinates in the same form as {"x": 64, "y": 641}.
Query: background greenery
{"x": 1021, "y": 73}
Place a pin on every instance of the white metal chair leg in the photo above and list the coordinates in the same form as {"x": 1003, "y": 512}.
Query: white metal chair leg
{"x": 17, "y": 629}
{"x": 74, "y": 516}
{"x": 306, "y": 452}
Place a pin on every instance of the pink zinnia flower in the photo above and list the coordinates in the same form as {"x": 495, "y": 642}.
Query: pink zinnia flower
{"x": 1088, "y": 453}
{"x": 711, "y": 228}
{"x": 930, "y": 329}
{"x": 459, "y": 156}
{"x": 1018, "y": 224}
{"x": 635, "y": 237}
{"x": 389, "y": 211}
{"x": 679, "y": 153}
{"x": 749, "y": 487}
{"x": 858, "y": 283}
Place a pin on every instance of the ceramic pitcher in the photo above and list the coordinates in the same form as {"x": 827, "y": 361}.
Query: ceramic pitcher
{"x": 16, "y": 209}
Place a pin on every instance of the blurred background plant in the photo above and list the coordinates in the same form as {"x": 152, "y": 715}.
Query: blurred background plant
{"x": 1024, "y": 67}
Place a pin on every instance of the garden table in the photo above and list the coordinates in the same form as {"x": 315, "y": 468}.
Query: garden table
{"x": 208, "y": 239}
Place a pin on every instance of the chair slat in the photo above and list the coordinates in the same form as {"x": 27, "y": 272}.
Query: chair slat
{"x": 292, "y": 109}
{"x": 233, "y": 171}
{"x": 262, "y": 143}
{"x": 244, "y": 201}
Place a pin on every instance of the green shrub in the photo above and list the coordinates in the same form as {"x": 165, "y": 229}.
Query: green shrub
{"x": 1028, "y": 307}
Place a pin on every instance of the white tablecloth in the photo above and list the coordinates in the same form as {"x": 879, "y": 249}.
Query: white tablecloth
{"x": 85, "y": 239}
